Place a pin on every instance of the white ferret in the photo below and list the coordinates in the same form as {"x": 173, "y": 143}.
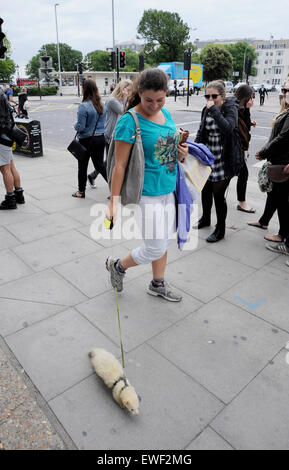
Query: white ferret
{"x": 109, "y": 369}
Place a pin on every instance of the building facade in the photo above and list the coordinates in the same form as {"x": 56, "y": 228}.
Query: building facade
{"x": 272, "y": 61}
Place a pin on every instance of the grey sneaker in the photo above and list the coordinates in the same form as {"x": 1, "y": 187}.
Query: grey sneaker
{"x": 116, "y": 277}
{"x": 281, "y": 248}
{"x": 287, "y": 263}
{"x": 165, "y": 291}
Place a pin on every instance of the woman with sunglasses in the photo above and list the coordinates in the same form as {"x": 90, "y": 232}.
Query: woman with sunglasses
{"x": 277, "y": 152}
{"x": 217, "y": 132}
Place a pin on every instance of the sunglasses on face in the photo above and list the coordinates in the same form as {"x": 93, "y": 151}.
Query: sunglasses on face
{"x": 214, "y": 96}
{"x": 285, "y": 90}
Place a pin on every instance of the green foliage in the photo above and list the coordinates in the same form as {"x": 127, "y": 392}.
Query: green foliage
{"x": 34, "y": 91}
{"x": 68, "y": 58}
{"x": 166, "y": 36}
{"x": 7, "y": 66}
{"x": 239, "y": 52}
{"x": 99, "y": 61}
{"x": 217, "y": 62}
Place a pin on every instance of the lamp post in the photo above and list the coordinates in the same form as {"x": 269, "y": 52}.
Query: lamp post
{"x": 18, "y": 76}
{"x": 113, "y": 36}
{"x": 58, "y": 51}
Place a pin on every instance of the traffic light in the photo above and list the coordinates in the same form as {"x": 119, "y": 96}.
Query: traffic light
{"x": 141, "y": 63}
{"x": 122, "y": 56}
{"x": 248, "y": 66}
{"x": 80, "y": 68}
{"x": 187, "y": 60}
{"x": 3, "y": 49}
{"x": 112, "y": 60}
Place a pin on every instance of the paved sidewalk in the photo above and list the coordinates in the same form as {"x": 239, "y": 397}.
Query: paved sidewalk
{"x": 211, "y": 371}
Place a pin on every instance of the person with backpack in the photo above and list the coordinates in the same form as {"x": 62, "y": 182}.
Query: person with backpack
{"x": 219, "y": 132}
{"x": 11, "y": 178}
{"x": 161, "y": 148}
{"x": 245, "y": 97}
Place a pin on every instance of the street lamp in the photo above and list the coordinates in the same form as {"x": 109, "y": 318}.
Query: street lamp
{"x": 58, "y": 51}
{"x": 17, "y": 75}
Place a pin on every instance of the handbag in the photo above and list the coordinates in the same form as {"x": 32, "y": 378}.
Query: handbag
{"x": 132, "y": 186}
{"x": 16, "y": 134}
{"x": 276, "y": 174}
{"x": 77, "y": 149}
{"x": 264, "y": 183}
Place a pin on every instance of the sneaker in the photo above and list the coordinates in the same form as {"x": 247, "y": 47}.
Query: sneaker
{"x": 281, "y": 248}
{"x": 116, "y": 277}
{"x": 92, "y": 181}
{"x": 8, "y": 203}
{"x": 164, "y": 291}
{"x": 287, "y": 263}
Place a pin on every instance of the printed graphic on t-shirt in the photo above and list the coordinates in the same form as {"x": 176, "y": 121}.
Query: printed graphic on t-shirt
{"x": 166, "y": 150}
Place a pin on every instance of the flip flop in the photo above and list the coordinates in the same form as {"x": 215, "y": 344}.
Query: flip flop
{"x": 248, "y": 211}
{"x": 257, "y": 225}
{"x": 273, "y": 238}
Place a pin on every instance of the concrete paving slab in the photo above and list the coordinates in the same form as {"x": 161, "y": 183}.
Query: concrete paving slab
{"x": 172, "y": 411}
{"x": 42, "y": 227}
{"x": 7, "y": 240}
{"x": 205, "y": 274}
{"x": 55, "y": 250}
{"x": 54, "y": 352}
{"x": 47, "y": 287}
{"x": 209, "y": 440}
{"x": 247, "y": 249}
{"x": 265, "y": 294}
{"x": 14, "y": 267}
{"x": 258, "y": 418}
{"x": 17, "y": 314}
{"x": 221, "y": 347}
{"x": 142, "y": 316}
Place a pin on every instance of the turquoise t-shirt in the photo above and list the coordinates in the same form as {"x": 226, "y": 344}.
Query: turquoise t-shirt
{"x": 160, "y": 144}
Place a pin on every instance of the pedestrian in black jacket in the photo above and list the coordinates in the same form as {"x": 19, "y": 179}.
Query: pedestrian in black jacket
{"x": 219, "y": 132}
{"x": 245, "y": 97}
{"x": 262, "y": 93}
{"x": 277, "y": 152}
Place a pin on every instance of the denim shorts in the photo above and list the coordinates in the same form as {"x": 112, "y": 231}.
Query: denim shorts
{"x": 5, "y": 155}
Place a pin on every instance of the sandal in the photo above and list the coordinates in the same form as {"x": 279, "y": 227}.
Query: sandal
{"x": 274, "y": 238}
{"x": 248, "y": 211}
{"x": 79, "y": 195}
{"x": 258, "y": 225}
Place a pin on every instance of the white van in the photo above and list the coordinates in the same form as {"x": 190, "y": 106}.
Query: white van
{"x": 182, "y": 84}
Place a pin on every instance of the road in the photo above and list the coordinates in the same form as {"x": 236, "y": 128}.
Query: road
{"x": 58, "y": 115}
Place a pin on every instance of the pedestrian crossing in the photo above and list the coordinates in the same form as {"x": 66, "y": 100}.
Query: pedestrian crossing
{"x": 51, "y": 107}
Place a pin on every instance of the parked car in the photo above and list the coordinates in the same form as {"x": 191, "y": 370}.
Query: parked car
{"x": 181, "y": 87}
{"x": 229, "y": 87}
{"x": 238, "y": 85}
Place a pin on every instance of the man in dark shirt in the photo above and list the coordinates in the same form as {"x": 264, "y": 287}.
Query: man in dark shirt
{"x": 262, "y": 92}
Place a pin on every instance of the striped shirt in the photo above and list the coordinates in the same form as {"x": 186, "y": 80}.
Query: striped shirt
{"x": 215, "y": 145}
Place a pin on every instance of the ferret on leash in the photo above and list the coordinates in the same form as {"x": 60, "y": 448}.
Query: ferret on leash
{"x": 109, "y": 369}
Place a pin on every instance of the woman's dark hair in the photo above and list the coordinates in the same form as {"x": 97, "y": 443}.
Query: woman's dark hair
{"x": 243, "y": 94}
{"x": 91, "y": 93}
{"x": 149, "y": 79}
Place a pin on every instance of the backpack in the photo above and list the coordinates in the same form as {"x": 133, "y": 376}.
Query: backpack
{"x": 132, "y": 186}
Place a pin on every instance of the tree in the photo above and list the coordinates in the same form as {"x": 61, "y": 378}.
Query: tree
{"x": 99, "y": 61}
{"x": 239, "y": 52}
{"x": 166, "y": 36}
{"x": 217, "y": 62}
{"x": 68, "y": 58}
{"x": 7, "y": 66}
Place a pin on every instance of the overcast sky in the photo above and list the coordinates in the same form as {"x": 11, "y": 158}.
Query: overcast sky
{"x": 87, "y": 25}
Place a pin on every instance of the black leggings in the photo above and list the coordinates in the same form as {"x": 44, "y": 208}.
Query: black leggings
{"x": 95, "y": 147}
{"x": 95, "y": 172}
{"x": 216, "y": 191}
{"x": 242, "y": 182}
{"x": 280, "y": 195}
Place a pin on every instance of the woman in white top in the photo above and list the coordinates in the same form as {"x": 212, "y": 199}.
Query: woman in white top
{"x": 115, "y": 106}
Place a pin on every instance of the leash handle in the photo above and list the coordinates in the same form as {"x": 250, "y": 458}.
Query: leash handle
{"x": 119, "y": 327}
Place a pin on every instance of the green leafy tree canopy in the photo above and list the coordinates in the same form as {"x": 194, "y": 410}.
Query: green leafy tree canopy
{"x": 99, "y": 61}
{"x": 166, "y": 36}
{"x": 68, "y": 58}
{"x": 239, "y": 52}
{"x": 7, "y": 66}
{"x": 217, "y": 62}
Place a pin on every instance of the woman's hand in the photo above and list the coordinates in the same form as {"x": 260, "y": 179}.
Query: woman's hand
{"x": 210, "y": 104}
{"x": 253, "y": 123}
{"x": 112, "y": 208}
{"x": 258, "y": 156}
{"x": 286, "y": 169}
{"x": 183, "y": 151}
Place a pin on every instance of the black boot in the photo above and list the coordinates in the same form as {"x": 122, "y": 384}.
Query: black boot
{"x": 19, "y": 196}
{"x": 217, "y": 235}
{"x": 203, "y": 222}
{"x": 8, "y": 203}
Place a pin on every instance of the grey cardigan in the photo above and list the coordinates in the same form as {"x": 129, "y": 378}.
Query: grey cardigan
{"x": 114, "y": 109}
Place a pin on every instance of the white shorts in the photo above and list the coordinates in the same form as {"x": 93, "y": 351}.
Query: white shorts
{"x": 158, "y": 226}
{"x": 5, "y": 155}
